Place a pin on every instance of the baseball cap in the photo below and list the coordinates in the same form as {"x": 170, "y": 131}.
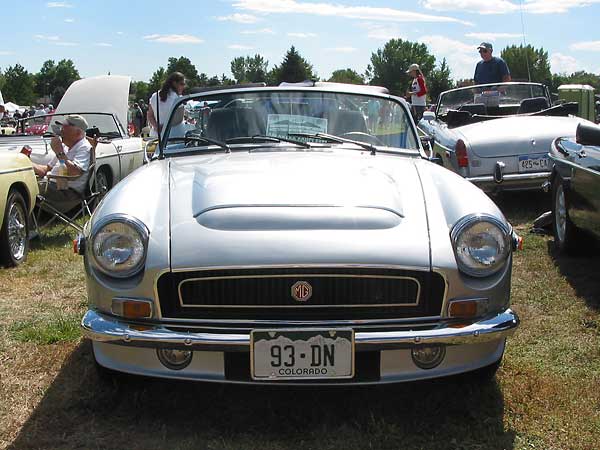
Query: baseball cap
{"x": 413, "y": 67}
{"x": 74, "y": 120}
{"x": 485, "y": 45}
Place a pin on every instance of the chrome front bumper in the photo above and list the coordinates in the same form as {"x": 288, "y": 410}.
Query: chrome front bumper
{"x": 108, "y": 329}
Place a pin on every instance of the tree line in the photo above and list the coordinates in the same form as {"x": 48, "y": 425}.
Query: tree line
{"x": 387, "y": 68}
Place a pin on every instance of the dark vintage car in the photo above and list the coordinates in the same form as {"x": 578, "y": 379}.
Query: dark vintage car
{"x": 575, "y": 183}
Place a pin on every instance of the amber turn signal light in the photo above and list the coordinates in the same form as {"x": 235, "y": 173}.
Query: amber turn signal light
{"x": 467, "y": 308}
{"x": 132, "y": 308}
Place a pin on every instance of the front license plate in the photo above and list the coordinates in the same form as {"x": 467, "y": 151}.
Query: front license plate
{"x": 533, "y": 163}
{"x": 305, "y": 354}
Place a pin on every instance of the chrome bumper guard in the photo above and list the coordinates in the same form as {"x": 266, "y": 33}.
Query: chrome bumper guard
{"x": 102, "y": 328}
{"x": 514, "y": 177}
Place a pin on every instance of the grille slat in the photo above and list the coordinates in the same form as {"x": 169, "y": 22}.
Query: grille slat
{"x": 337, "y": 294}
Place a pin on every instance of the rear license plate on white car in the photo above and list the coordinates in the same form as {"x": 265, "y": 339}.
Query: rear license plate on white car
{"x": 306, "y": 354}
{"x": 530, "y": 163}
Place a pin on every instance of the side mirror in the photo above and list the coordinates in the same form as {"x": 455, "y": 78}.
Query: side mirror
{"x": 150, "y": 148}
{"x": 428, "y": 116}
{"x": 427, "y": 143}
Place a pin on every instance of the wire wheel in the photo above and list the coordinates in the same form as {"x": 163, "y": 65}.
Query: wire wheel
{"x": 14, "y": 237}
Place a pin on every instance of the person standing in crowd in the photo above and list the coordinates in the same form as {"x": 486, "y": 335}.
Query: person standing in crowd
{"x": 417, "y": 92}
{"x": 170, "y": 91}
{"x": 137, "y": 119}
{"x": 144, "y": 109}
{"x": 491, "y": 69}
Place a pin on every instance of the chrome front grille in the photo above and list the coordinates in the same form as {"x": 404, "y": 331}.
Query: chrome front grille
{"x": 335, "y": 294}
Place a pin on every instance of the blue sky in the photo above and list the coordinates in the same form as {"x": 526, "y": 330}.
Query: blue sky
{"x": 136, "y": 37}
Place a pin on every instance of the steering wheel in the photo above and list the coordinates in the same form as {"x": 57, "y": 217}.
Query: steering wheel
{"x": 370, "y": 138}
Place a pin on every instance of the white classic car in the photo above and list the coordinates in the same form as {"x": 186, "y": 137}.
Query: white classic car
{"x": 498, "y": 135}
{"x": 103, "y": 101}
{"x": 286, "y": 242}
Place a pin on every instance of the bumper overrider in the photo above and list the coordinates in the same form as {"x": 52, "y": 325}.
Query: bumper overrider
{"x": 132, "y": 348}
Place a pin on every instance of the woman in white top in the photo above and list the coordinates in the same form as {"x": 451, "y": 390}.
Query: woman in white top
{"x": 170, "y": 91}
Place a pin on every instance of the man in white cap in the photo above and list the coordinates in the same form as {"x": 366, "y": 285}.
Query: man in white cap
{"x": 73, "y": 149}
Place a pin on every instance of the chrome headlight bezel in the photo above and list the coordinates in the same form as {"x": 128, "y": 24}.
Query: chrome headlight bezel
{"x": 136, "y": 226}
{"x": 465, "y": 224}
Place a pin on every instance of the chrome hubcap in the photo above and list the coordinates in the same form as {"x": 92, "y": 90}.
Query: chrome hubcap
{"x": 560, "y": 212}
{"x": 17, "y": 231}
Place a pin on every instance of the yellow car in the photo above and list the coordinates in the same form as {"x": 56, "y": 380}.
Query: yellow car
{"x": 18, "y": 191}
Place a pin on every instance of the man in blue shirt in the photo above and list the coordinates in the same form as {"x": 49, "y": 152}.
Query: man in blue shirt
{"x": 490, "y": 69}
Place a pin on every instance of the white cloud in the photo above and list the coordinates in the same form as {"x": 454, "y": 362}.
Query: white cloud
{"x": 174, "y": 38}
{"x": 341, "y": 49}
{"x": 239, "y": 47}
{"x": 592, "y": 46}
{"x": 69, "y": 20}
{"x": 120, "y": 33}
{"x": 506, "y": 6}
{"x": 461, "y": 57}
{"x": 302, "y": 35}
{"x": 560, "y": 63}
{"x": 6, "y": 53}
{"x": 66, "y": 44}
{"x": 338, "y": 10}
{"x": 382, "y": 32}
{"x": 43, "y": 37}
{"x": 103, "y": 44}
{"x": 491, "y": 37}
{"x": 239, "y": 18}
{"x": 261, "y": 31}
{"x": 58, "y": 5}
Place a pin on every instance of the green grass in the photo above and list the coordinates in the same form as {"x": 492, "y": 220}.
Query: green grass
{"x": 47, "y": 331}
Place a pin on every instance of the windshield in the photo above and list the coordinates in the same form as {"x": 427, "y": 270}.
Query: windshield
{"x": 288, "y": 116}
{"x": 38, "y": 125}
{"x": 501, "y": 99}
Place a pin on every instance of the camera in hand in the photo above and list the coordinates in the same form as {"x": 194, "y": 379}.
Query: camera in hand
{"x": 92, "y": 132}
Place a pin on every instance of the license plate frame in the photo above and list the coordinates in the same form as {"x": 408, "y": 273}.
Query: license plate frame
{"x": 539, "y": 167}
{"x": 341, "y": 338}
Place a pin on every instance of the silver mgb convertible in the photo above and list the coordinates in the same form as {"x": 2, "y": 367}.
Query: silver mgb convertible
{"x": 281, "y": 239}
{"x": 498, "y": 135}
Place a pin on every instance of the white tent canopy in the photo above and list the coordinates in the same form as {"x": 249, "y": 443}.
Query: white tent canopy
{"x": 12, "y": 107}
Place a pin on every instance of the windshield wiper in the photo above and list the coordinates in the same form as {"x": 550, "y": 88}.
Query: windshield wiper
{"x": 338, "y": 140}
{"x": 206, "y": 140}
{"x": 265, "y": 138}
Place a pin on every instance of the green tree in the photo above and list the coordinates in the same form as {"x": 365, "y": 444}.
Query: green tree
{"x": 139, "y": 90}
{"x": 249, "y": 69}
{"x": 64, "y": 73}
{"x": 18, "y": 85}
{"x": 156, "y": 80}
{"x": 185, "y": 66}
{"x": 346, "y": 76}
{"x": 439, "y": 81}
{"x": 524, "y": 61}
{"x": 45, "y": 78}
{"x": 293, "y": 69}
{"x": 388, "y": 65}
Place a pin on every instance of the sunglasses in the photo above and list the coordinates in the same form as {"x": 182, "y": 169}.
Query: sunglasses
{"x": 483, "y": 50}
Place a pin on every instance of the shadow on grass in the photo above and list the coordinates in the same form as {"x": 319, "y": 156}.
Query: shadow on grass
{"x": 79, "y": 410}
{"x": 523, "y": 207}
{"x": 581, "y": 272}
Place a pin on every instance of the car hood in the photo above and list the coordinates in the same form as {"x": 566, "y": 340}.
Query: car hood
{"x": 516, "y": 135}
{"x": 101, "y": 94}
{"x": 272, "y": 208}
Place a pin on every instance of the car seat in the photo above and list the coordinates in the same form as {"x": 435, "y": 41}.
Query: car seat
{"x": 531, "y": 105}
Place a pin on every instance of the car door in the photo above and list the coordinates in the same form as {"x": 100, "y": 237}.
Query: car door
{"x": 585, "y": 189}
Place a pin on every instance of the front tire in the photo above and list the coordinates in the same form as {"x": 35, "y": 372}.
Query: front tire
{"x": 565, "y": 233}
{"x": 14, "y": 235}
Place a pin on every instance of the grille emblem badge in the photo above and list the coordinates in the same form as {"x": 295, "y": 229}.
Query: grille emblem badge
{"x": 301, "y": 291}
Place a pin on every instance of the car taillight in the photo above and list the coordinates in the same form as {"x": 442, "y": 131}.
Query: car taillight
{"x": 461, "y": 154}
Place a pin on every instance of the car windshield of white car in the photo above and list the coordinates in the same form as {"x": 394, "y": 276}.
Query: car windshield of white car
{"x": 493, "y": 100}
{"x": 287, "y": 118}
{"x": 106, "y": 125}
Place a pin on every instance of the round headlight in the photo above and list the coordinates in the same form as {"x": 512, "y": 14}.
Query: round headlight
{"x": 119, "y": 245}
{"x": 481, "y": 244}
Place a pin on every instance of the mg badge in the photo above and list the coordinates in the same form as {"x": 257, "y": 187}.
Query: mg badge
{"x": 301, "y": 291}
